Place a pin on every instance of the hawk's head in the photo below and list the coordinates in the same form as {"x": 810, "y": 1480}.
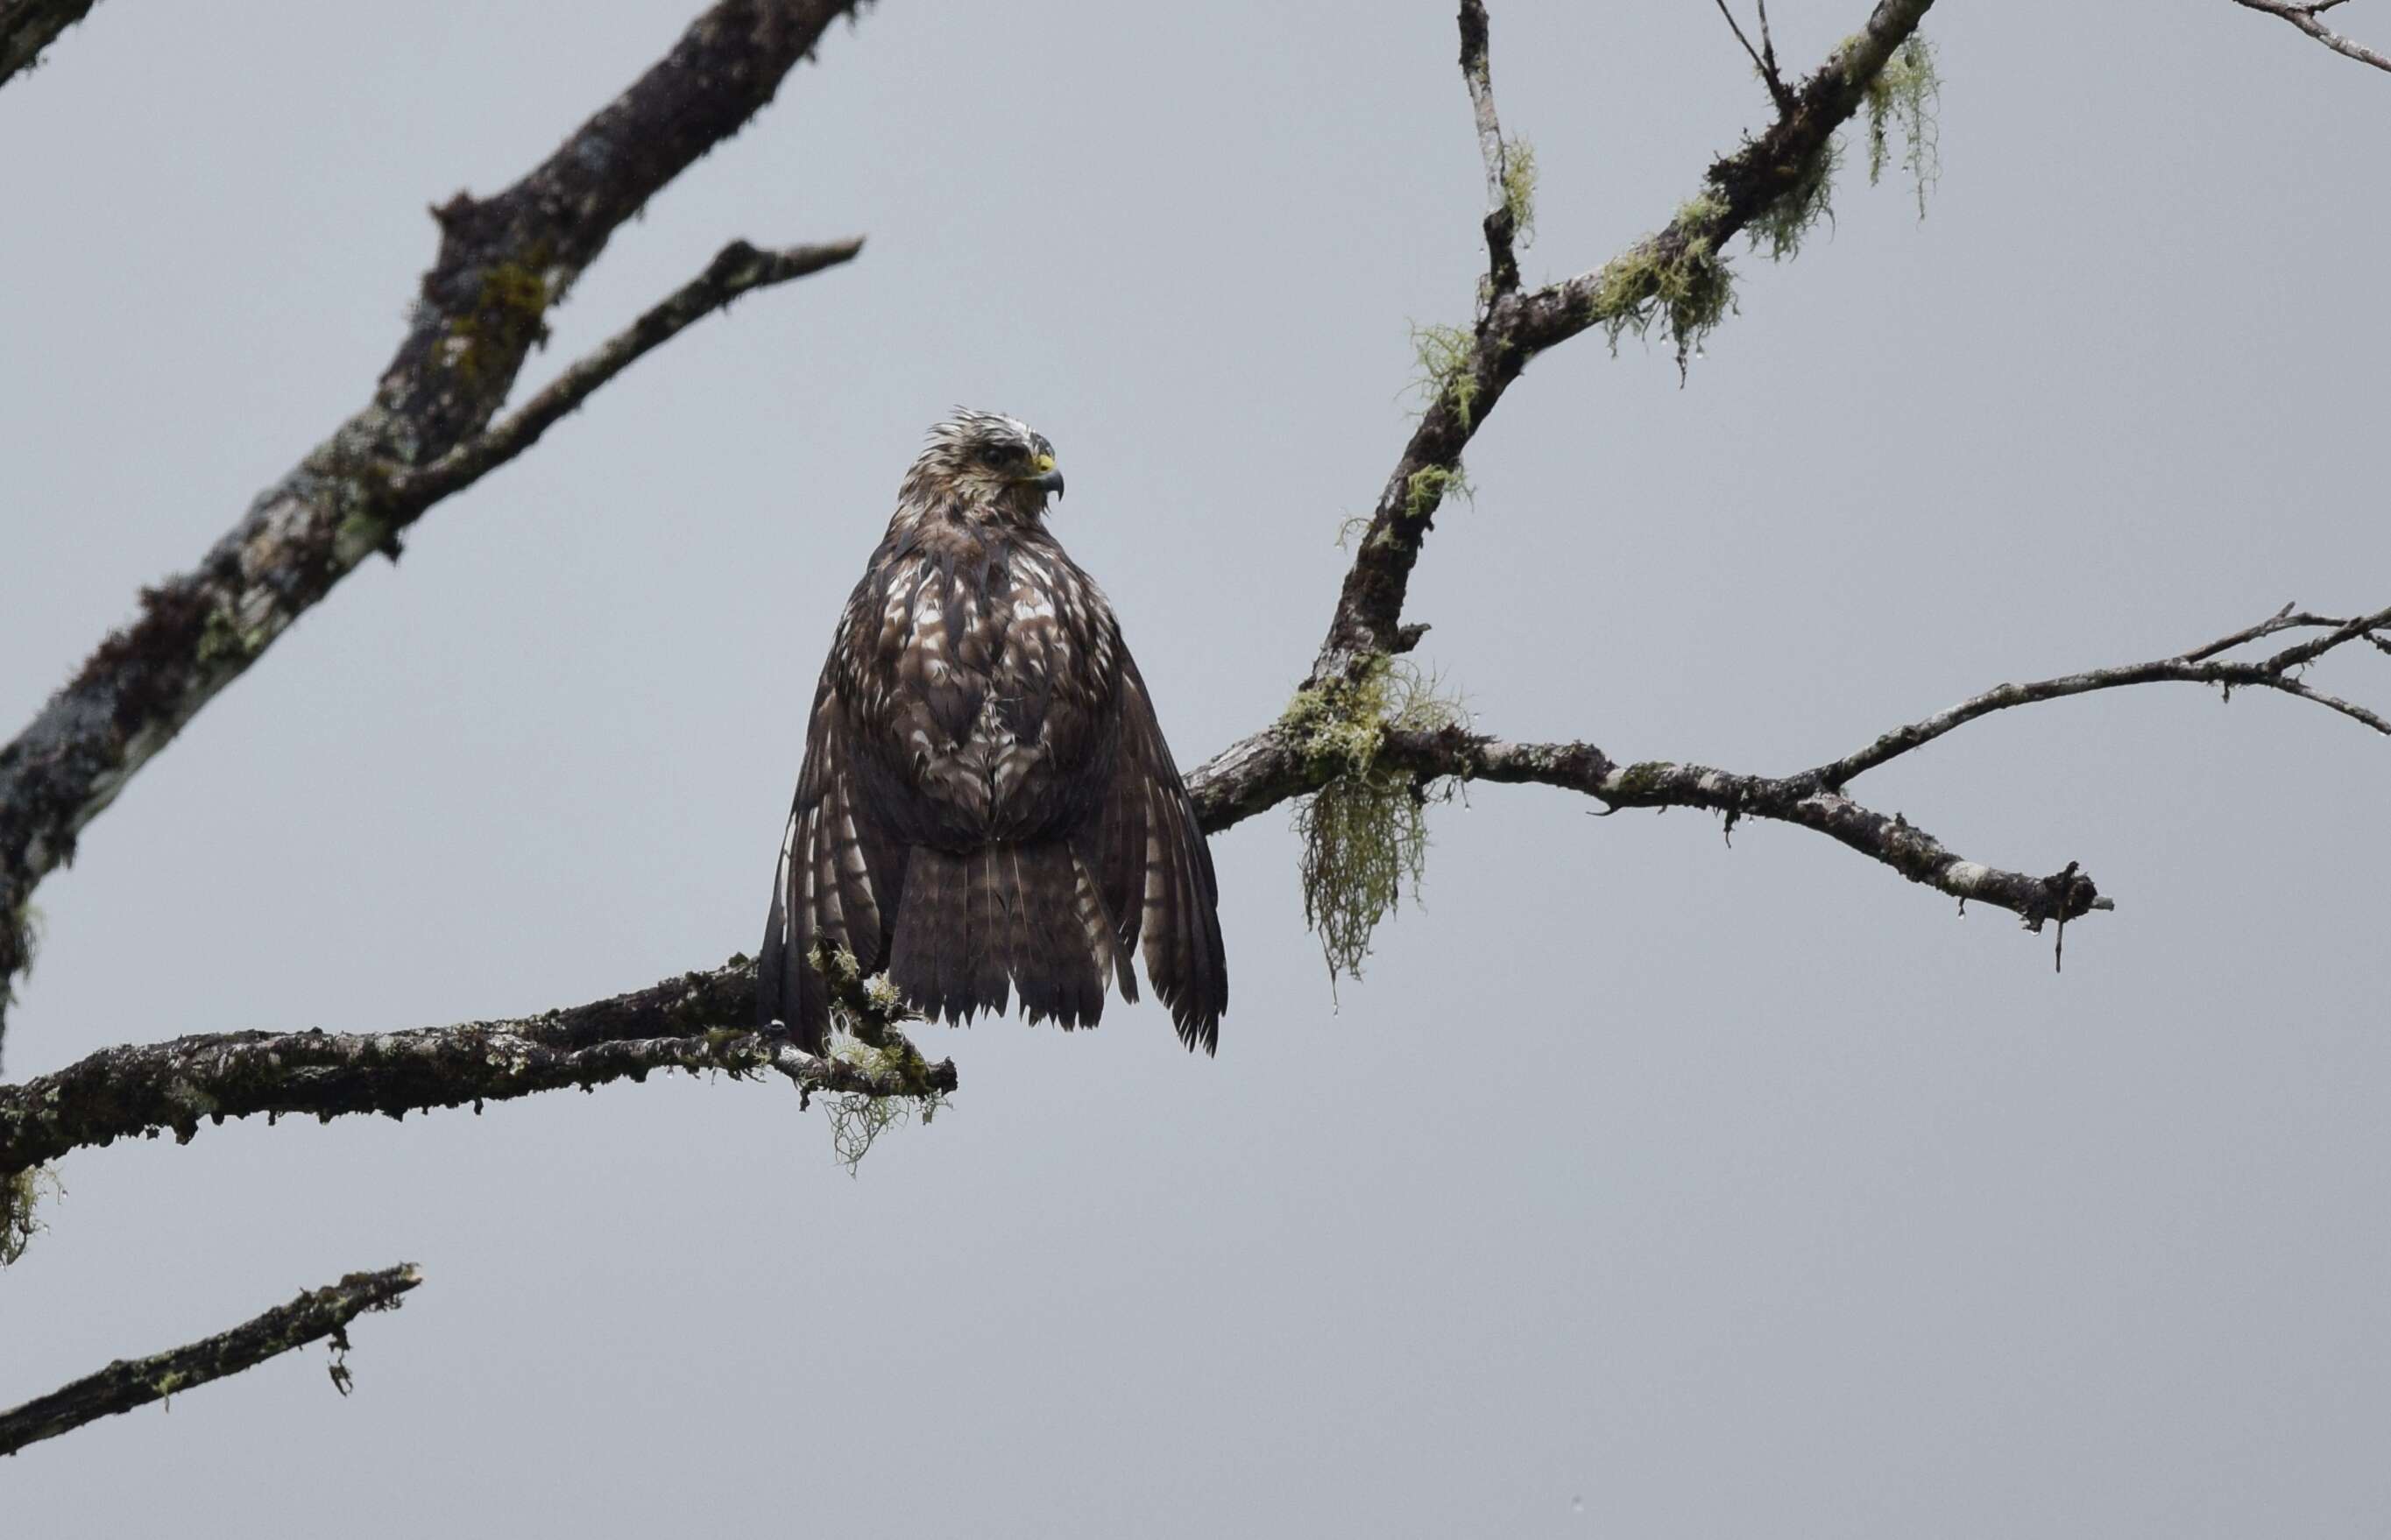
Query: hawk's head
{"x": 990, "y": 465}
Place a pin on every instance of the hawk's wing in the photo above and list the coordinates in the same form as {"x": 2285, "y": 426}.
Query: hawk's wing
{"x": 839, "y": 876}
{"x": 1154, "y": 869}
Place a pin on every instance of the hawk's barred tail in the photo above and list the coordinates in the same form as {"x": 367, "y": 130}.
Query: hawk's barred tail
{"x": 973, "y": 928}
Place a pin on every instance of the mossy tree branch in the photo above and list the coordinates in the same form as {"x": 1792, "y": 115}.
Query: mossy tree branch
{"x": 503, "y": 263}
{"x": 697, "y": 1022}
{"x": 1675, "y": 277}
{"x": 28, "y": 26}
{"x": 1265, "y": 770}
{"x": 1271, "y": 767}
{"x": 314, "y": 1316}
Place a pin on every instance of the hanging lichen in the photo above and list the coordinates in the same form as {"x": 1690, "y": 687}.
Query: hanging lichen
{"x": 865, "y": 1015}
{"x": 1520, "y": 189}
{"x": 1903, "y": 96}
{"x": 1779, "y": 229}
{"x": 857, "y": 1121}
{"x": 1364, "y": 832}
{"x": 20, "y": 1194}
{"x": 1675, "y": 279}
{"x": 25, "y": 933}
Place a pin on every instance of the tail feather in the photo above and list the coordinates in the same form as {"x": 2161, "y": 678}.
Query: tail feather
{"x": 1088, "y": 911}
{"x": 985, "y": 916}
{"x": 930, "y": 925}
{"x": 973, "y": 929}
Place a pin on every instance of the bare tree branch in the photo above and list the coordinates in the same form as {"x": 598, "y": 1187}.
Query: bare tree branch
{"x": 503, "y": 263}
{"x": 1267, "y": 769}
{"x": 1768, "y": 55}
{"x": 2304, "y": 16}
{"x": 28, "y": 26}
{"x": 738, "y": 269}
{"x": 1889, "y": 838}
{"x": 128, "y": 1383}
{"x": 1502, "y": 204}
{"x": 2197, "y": 666}
{"x": 1764, "y": 59}
{"x": 697, "y": 1022}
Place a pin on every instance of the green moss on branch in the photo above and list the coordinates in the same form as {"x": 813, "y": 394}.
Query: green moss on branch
{"x": 1448, "y": 369}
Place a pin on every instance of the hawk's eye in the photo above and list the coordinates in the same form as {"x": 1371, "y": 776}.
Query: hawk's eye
{"x": 1002, "y": 453}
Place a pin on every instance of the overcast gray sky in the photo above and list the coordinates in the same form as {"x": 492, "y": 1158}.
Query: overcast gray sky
{"x": 1645, "y": 1187}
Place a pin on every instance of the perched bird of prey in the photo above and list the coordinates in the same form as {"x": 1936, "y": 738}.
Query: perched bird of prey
{"x": 987, "y": 802}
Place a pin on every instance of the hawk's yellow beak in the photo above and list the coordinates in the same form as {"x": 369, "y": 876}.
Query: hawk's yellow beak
{"x": 1048, "y": 479}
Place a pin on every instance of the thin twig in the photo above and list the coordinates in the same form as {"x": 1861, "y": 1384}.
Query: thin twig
{"x": 1501, "y": 221}
{"x": 129, "y": 1383}
{"x": 2199, "y": 666}
{"x": 1766, "y": 63}
{"x": 738, "y": 269}
{"x": 1768, "y": 51}
{"x": 2304, "y": 16}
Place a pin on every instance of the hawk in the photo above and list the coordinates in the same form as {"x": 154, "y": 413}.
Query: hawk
{"x": 987, "y": 803}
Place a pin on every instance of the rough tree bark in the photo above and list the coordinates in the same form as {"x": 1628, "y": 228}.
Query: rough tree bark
{"x": 28, "y": 26}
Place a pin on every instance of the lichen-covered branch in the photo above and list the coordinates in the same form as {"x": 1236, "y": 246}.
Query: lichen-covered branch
{"x": 28, "y": 26}
{"x": 1675, "y": 279}
{"x": 1889, "y": 838}
{"x": 318, "y": 1315}
{"x": 503, "y": 263}
{"x": 2201, "y": 666}
{"x": 1364, "y": 834}
{"x": 2305, "y": 17}
{"x": 1268, "y": 768}
{"x": 1326, "y": 736}
{"x": 697, "y": 1022}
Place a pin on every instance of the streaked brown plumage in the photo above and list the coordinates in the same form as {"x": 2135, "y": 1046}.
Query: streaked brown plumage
{"x": 987, "y": 803}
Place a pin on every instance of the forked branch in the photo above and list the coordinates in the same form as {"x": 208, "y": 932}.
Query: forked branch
{"x": 2306, "y": 17}
{"x": 2200, "y": 666}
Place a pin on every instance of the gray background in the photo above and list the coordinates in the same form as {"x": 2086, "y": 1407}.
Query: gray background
{"x": 1645, "y": 1187}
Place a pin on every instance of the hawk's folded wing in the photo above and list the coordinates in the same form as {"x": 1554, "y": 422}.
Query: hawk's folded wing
{"x": 839, "y": 881}
{"x": 1156, "y": 871}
